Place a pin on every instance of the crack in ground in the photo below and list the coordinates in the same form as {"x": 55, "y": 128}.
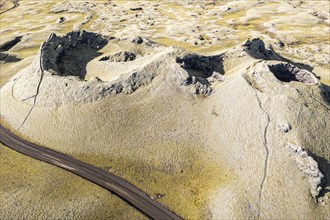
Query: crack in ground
{"x": 320, "y": 102}
{"x": 13, "y": 86}
{"x": 15, "y": 4}
{"x": 12, "y": 91}
{"x": 267, "y": 154}
{"x": 313, "y": 97}
{"x": 265, "y": 143}
{"x": 38, "y": 87}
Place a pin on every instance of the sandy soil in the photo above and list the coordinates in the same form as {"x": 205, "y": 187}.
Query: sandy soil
{"x": 242, "y": 133}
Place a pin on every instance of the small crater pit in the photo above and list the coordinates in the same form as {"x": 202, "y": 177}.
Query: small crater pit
{"x": 286, "y": 72}
{"x": 69, "y": 55}
{"x": 201, "y": 71}
{"x": 256, "y": 48}
{"x": 201, "y": 66}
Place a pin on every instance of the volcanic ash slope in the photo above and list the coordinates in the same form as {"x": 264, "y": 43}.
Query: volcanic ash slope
{"x": 241, "y": 134}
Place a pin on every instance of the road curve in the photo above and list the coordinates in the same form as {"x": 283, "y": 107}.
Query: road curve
{"x": 109, "y": 181}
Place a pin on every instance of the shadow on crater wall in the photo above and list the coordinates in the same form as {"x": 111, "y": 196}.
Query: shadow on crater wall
{"x": 201, "y": 67}
{"x": 8, "y": 58}
{"x": 287, "y": 72}
{"x": 70, "y": 54}
{"x": 10, "y": 44}
{"x": 256, "y": 49}
{"x": 78, "y": 50}
{"x": 325, "y": 93}
{"x": 324, "y": 167}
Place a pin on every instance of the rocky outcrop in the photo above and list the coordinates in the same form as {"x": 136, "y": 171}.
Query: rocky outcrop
{"x": 241, "y": 105}
{"x": 69, "y": 55}
{"x": 309, "y": 167}
{"x": 123, "y": 56}
{"x": 287, "y": 72}
{"x": 10, "y": 44}
{"x": 63, "y": 61}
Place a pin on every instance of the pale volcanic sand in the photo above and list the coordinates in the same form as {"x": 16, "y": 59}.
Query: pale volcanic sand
{"x": 220, "y": 155}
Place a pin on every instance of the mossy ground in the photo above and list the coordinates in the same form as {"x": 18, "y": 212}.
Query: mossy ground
{"x": 179, "y": 172}
{"x": 29, "y": 186}
{"x": 185, "y": 190}
{"x": 34, "y": 18}
{"x": 186, "y": 186}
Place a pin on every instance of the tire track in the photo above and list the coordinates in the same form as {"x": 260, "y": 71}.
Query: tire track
{"x": 15, "y": 4}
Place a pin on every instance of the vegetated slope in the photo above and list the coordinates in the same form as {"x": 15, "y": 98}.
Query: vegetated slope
{"x": 242, "y": 133}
